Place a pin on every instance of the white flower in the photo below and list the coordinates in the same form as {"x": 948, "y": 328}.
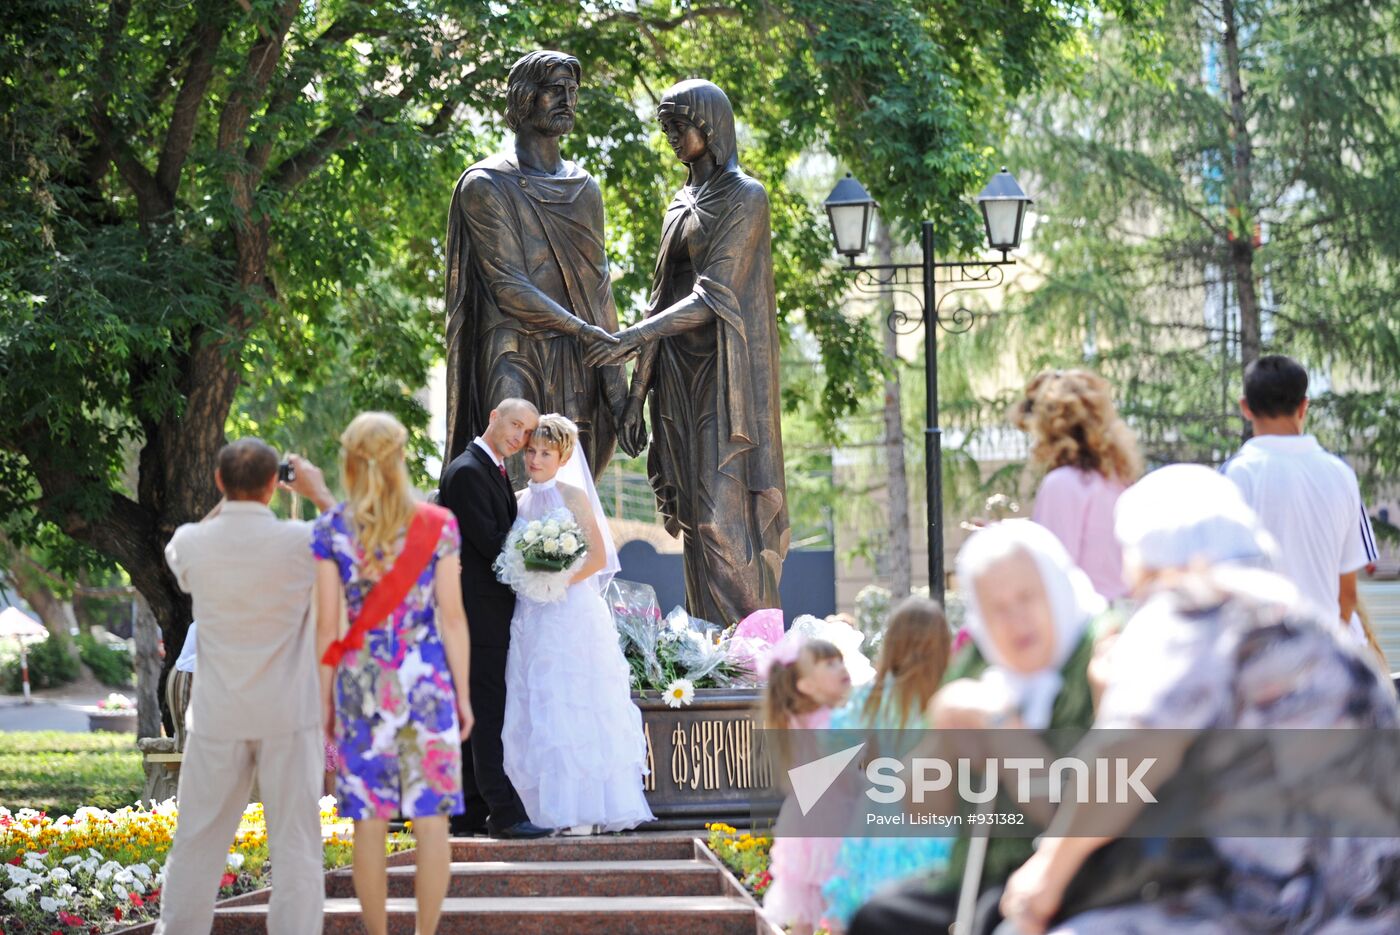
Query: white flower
{"x": 70, "y": 860}
{"x": 58, "y": 875}
{"x": 569, "y": 543}
{"x": 551, "y": 529}
{"x": 17, "y": 874}
{"x": 235, "y": 860}
{"x": 121, "y": 892}
{"x": 49, "y": 904}
{"x": 680, "y": 692}
{"x": 67, "y": 891}
{"x": 140, "y": 871}
{"x": 16, "y": 895}
{"x": 551, "y": 544}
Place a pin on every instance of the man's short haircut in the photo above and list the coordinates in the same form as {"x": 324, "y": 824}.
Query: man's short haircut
{"x": 526, "y": 76}
{"x": 1275, "y": 385}
{"x": 246, "y": 467}
{"x": 511, "y": 403}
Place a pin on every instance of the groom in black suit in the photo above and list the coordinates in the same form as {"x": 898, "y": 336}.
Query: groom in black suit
{"x": 476, "y": 489}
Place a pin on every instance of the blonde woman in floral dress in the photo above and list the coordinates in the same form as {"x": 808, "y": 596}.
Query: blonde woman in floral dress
{"x": 395, "y": 692}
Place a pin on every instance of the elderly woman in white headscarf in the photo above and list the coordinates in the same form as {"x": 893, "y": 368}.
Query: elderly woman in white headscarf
{"x": 1220, "y": 642}
{"x": 1031, "y": 614}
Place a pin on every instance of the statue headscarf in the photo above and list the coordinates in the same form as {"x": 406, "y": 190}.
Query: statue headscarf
{"x": 707, "y": 107}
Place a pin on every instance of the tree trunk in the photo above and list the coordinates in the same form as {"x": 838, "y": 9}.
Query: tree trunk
{"x": 1242, "y": 222}
{"x": 897, "y": 480}
{"x": 31, "y": 581}
{"x": 148, "y": 694}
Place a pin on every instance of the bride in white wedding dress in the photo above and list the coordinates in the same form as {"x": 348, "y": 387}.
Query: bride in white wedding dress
{"x": 574, "y": 747}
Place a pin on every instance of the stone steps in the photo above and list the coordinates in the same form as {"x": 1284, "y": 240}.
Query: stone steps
{"x": 634, "y": 884}
{"x": 501, "y": 878}
{"x": 547, "y": 915}
{"x": 604, "y": 847}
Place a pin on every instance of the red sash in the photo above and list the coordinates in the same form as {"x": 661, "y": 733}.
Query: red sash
{"x": 424, "y": 530}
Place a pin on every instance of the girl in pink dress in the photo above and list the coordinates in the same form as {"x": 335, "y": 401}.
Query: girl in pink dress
{"x": 807, "y": 679}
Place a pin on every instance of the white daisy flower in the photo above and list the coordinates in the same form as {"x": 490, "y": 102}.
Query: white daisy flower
{"x": 679, "y": 692}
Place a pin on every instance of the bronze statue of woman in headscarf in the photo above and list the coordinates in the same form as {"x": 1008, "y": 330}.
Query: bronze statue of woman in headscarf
{"x": 708, "y": 359}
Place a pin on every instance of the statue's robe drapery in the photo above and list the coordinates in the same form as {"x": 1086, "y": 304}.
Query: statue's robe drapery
{"x": 526, "y": 270}
{"x": 711, "y": 367}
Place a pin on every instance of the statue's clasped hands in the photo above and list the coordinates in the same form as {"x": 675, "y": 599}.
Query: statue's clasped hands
{"x": 622, "y": 346}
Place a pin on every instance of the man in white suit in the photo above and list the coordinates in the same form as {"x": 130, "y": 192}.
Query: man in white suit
{"x": 254, "y": 709}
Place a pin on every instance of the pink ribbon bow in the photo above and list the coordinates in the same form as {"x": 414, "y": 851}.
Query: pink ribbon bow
{"x": 784, "y": 652}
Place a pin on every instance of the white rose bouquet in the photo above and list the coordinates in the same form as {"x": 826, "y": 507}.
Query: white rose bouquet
{"x": 540, "y": 556}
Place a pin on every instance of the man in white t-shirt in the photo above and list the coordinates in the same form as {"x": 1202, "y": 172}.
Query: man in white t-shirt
{"x": 1307, "y": 498}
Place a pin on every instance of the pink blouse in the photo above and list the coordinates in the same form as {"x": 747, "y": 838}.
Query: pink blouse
{"x": 1077, "y": 506}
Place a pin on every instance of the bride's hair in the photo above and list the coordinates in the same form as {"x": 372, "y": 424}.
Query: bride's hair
{"x": 559, "y": 433}
{"x": 379, "y": 501}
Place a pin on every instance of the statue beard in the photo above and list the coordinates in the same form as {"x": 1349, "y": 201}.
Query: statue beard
{"x": 552, "y": 124}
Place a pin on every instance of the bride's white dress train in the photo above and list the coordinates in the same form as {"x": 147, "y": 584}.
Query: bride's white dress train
{"x": 574, "y": 747}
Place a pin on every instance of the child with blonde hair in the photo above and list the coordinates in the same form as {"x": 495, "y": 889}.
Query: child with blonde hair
{"x": 914, "y": 653}
{"x": 806, "y": 681}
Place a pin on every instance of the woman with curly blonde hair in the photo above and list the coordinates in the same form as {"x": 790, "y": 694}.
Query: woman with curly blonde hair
{"x": 1090, "y": 456}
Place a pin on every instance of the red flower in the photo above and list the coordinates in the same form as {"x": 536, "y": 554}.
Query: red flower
{"x": 136, "y": 900}
{"x": 117, "y": 913}
{"x": 228, "y": 880}
{"x": 67, "y": 918}
{"x": 16, "y": 861}
{"x": 153, "y": 895}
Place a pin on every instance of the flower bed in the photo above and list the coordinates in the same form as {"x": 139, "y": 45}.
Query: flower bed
{"x": 97, "y": 870}
{"x": 743, "y": 853}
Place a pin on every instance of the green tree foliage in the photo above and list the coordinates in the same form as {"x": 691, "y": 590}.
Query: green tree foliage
{"x": 1254, "y": 164}
{"x": 227, "y": 216}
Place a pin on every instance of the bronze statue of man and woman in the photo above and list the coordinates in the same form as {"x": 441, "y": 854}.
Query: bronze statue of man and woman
{"x": 530, "y": 314}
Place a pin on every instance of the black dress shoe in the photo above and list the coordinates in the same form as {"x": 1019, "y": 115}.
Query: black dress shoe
{"x": 523, "y": 830}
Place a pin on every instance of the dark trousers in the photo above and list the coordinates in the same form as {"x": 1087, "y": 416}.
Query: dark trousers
{"x": 914, "y": 908}
{"x": 489, "y": 794}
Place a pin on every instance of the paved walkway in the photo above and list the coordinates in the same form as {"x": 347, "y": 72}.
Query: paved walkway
{"x": 65, "y": 708}
{"x": 68, "y": 716}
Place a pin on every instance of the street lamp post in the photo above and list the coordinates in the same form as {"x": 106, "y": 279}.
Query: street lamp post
{"x": 849, "y": 209}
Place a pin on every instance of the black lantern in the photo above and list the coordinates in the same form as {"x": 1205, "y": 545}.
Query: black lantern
{"x": 849, "y": 208}
{"x": 1003, "y": 203}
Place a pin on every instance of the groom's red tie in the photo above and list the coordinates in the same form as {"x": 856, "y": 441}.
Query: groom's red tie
{"x": 503, "y": 469}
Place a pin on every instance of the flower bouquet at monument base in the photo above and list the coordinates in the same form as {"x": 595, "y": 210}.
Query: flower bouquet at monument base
{"x": 540, "y": 556}
{"x": 676, "y": 654}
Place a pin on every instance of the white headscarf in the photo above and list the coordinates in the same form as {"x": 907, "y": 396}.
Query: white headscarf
{"x": 1186, "y": 513}
{"x": 1073, "y": 603}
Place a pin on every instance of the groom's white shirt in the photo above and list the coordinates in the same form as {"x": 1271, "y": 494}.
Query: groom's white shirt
{"x": 495, "y": 458}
